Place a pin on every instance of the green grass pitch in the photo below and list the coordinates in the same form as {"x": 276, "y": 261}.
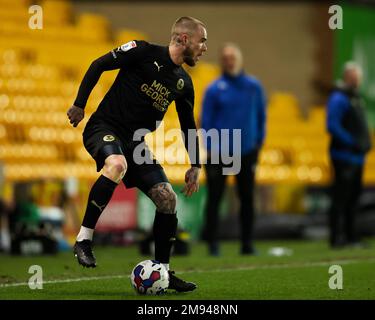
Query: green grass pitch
{"x": 303, "y": 275}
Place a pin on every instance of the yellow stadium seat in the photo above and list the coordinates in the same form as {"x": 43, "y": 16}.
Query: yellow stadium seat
{"x": 92, "y": 27}
{"x": 57, "y": 12}
{"x": 126, "y": 35}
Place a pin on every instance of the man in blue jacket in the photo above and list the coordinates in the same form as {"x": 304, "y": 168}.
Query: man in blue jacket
{"x": 234, "y": 101}
{"x": 350, "y": 141}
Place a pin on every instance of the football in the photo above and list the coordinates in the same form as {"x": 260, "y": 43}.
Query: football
{"x": 150, "y": 277}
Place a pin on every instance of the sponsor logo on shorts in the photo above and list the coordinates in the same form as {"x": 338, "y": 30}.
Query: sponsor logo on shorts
{"x": 108, "y": 138}
{"x": 180, "y": 84}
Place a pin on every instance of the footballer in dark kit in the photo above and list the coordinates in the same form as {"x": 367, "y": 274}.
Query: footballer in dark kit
{"x": 150, "y": 77}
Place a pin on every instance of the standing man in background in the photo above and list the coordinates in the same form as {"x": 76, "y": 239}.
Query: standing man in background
{"x": 234, "y": 101}
{"x": 350, "y": 141}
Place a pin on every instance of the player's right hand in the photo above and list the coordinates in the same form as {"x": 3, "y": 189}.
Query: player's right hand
{"x": 75, "y": 115}
{"x": 191, "y": 181}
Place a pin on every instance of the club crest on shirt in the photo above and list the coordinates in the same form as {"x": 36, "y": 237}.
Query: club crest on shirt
{"x": 180, "y": 84}
{"x": 108, "y": 138}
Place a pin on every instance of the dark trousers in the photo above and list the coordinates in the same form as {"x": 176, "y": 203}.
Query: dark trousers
{"x": 346, "y": 190}
{"x": 215, "y": 189}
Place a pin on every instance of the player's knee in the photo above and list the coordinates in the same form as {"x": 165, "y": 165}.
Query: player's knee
{"x": 164, "y": 198}
{"x": 115, "y": 167}
{"x": 168, "y": 202}
{"x": 172, "y": 201}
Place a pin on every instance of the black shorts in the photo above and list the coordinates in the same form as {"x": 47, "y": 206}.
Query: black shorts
{"x": 100, "y": 141}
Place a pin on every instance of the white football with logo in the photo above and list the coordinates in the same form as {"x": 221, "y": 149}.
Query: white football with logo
{"x": 150, "y": 277}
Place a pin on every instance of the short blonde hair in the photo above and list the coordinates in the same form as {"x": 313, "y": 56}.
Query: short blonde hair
{"x": 230, "y": 45}
{"x": 352, "y": 65}
{"x": 185, "y": 25}
{"x": 234, "y": 46}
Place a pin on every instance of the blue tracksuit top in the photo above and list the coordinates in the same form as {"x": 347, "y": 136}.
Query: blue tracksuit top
{"x": 235, "y": 103}
{"x": 337, "y": 107}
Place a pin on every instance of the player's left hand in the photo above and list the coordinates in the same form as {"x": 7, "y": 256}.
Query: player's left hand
{"x": 191, "y": 181}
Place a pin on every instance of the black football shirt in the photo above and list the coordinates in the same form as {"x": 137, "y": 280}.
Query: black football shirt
{"x": 147, "y": 83}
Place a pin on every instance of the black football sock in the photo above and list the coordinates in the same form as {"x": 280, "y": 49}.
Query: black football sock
{"x": 165, "y": 227}
{"x": 100, "y": 194}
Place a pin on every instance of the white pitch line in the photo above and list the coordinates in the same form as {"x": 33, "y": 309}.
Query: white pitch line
{"x": 287, "y": 265}
{"x": 263, "y": 267}
{"x": 18, "y": 284}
